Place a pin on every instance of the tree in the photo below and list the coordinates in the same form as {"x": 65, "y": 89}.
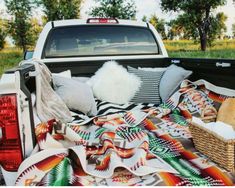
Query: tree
{"x": 218, "y": 27}
{"x": 114, "y": 9}
{"x": 144, "y": 19}
{"x": 2, "y": 39}
{"x": 61, "y": 9}
{"x": 233, "y": 29}
{"x": 197, "y": 16}
{"x": 3, "y": 32}
{"x": 181, "y": 27}
{"x": 159, "y": 25}
{"x": 177, "y": 29}
{"x": 19, "y": 25}
{"x": 35, "y": 30}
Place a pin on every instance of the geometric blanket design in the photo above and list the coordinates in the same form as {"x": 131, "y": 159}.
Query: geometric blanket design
{"x": 134, "y": 147}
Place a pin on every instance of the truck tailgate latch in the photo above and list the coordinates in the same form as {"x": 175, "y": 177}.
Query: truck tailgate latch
{"x": 218, "y": 64}
{"x": 175, "y": 61}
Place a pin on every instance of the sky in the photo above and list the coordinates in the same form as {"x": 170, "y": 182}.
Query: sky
{"x": 149, "y": 7}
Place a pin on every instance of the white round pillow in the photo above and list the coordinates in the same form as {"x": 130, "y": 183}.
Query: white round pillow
{"x": 113, "y": 83}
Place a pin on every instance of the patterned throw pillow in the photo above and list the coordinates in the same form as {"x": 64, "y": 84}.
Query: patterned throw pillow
{"x": 149, "y": 89}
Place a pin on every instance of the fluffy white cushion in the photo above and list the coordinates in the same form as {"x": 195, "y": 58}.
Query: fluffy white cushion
{"x": 114, "y": 84}
{"x": 76, "y": 95}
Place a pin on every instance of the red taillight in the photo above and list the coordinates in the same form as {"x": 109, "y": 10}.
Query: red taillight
{"x": 102, "y": 20}
{"x": 10, "y": 143}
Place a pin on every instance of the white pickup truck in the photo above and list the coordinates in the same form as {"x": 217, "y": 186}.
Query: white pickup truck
{"x": 83, "y": 46}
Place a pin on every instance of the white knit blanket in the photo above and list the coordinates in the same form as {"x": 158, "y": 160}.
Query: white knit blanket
{"x": 48, "y": 104}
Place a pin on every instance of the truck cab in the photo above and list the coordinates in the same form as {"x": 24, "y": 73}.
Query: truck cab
{"x": 94, "y": 39}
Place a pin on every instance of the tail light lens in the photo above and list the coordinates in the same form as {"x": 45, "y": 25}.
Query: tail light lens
{"x": 10, "y": 144}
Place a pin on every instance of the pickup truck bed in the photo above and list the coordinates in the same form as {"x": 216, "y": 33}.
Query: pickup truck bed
{"x": 181, "y": 153}
{"x": 208, "y": 69}
{"x": 21, "y": 80}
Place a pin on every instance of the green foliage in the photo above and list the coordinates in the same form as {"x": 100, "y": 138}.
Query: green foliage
{"x": 195, "y": 6}
{"x": 25, "y": 30}
{"x": 20, "y": 24}
{"x": 218, "y": 27}
{"x": 3, "y": 32}
{"x": 2, "y": 39}
{"x": 182, "y": 28}
{"x": 159, "y": 24}
{"x": 114, "y": 9}
{"x": 34, "y": 31}
{"x": 177, "y": 29}
{"x": 61, "y": 9}
{"x": 233, "y": 29}
{"x": 9, "y": 58}
{"x": 196, "y": 18}
{"x": 144, "y": 19}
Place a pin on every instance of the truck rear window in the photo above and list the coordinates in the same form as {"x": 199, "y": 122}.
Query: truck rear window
{"x": 99, "y": 41}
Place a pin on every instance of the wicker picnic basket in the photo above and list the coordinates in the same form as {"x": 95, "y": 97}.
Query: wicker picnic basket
{"x": 214, "y": 146}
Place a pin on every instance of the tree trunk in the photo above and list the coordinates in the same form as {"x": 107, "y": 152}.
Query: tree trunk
{"x": 203, "y": 40}
{"x": 23, "y": 44}
{"x": 204, "y": 29}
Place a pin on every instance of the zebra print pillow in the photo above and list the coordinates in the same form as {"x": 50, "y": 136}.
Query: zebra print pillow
{"x": 149, "y": 89}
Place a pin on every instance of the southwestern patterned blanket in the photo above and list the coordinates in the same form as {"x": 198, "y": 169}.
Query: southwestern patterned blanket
{"x": 131, "y": 144}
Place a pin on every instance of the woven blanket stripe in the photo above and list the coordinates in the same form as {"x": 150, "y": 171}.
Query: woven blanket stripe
{"x": 107, "y": 108}
{"x": 142, "y": 146}
{"x": 188, "y": 168}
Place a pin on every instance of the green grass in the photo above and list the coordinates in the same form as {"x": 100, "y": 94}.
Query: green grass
{"x": 182, "y": 45}
{"x": 226, "y": 54}
{"x": 187, "y": 48}
{"x": 9, "y": 58}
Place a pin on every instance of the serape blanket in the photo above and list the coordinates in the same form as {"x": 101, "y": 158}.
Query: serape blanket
{"x": 130, "y": 144}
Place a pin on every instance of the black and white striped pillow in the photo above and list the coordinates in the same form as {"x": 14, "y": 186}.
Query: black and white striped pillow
{"x": 149, "y": 90}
